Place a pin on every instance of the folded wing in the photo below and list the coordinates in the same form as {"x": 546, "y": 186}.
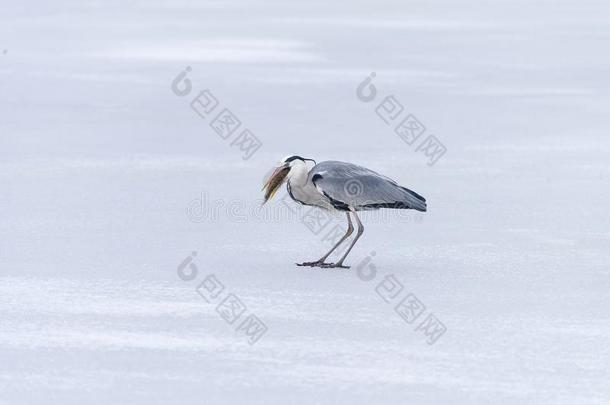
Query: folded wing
{"x": 350, "y": 186}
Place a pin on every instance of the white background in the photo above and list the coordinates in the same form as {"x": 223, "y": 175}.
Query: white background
{"x": 99, "y": 162}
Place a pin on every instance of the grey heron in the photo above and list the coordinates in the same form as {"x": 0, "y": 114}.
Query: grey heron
{"x": 339, "y": 186}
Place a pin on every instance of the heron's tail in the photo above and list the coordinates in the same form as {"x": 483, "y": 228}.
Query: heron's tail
{"x": 413, "y": 200}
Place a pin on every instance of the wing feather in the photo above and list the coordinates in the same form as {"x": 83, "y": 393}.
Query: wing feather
{"x": 357, "y": 187}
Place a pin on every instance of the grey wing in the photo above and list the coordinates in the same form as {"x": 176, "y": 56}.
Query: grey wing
{"x": 350, "y": 186}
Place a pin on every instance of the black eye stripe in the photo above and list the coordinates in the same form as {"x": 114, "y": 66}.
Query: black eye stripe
{"x": 295, "y": 157}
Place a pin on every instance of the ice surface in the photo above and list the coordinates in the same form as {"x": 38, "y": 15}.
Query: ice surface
{"x": 103, "y": 171}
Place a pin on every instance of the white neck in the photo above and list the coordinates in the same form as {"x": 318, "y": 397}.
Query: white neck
{"x": 298, "y": 174}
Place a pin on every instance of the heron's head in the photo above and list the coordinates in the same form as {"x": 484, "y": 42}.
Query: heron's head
{"x": 281, "y": 173}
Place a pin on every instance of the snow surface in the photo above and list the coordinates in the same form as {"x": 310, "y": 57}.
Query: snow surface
{"x": 102, "y": 166}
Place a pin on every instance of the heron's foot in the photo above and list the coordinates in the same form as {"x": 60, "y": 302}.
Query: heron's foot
{"x": 317, "y": 263}
{"x": 334, "y": 266}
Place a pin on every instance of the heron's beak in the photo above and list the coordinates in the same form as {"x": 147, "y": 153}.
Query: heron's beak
{"x": 274, "y": 181}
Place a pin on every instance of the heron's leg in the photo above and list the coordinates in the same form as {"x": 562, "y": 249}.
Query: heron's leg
{"x": 358, "y": 234}
{"x": 350, "y": 229}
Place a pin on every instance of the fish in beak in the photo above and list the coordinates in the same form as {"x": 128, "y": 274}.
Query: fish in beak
{"x": 274, "y": 181}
